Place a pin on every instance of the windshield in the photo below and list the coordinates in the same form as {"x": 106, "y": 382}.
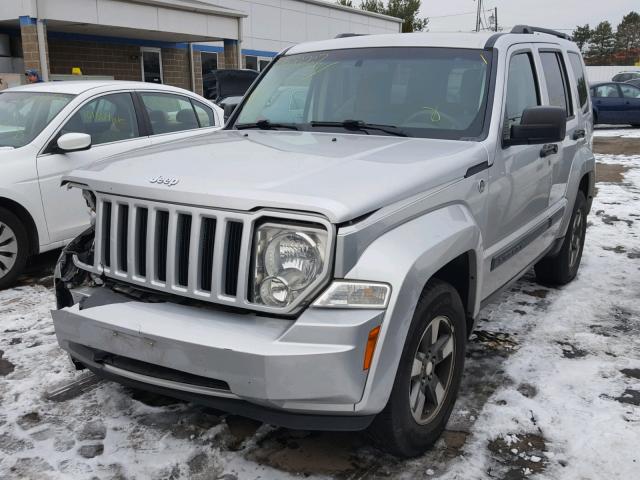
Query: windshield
{"x": 23, "y": 115}
{"x": 419, "y": 91}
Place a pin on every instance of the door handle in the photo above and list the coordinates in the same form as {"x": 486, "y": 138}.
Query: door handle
{"x": 578, "y": 134}
{"x": 548, "y": 149}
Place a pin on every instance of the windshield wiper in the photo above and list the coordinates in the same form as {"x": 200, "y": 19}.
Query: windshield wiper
{"x": 266, "y": 125}
{"x": 362, "y": 126}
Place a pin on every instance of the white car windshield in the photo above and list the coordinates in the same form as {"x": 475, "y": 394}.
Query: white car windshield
{"x": 408, "y": 91}
{"x": 23, "y": 115}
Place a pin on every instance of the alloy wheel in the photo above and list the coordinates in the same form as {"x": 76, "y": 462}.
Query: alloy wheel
{"x": 576, "y": 238}
{"x": 8, "y": 249}
{"x": 432, "y": 369}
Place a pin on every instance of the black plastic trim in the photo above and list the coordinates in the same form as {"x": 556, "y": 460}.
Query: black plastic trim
{"x": 476, "y": 169}
{"x": 510, "y": 250}
{"x": 297, "y": 421}
{"x": 492, "y": 40}
{"x": 528, "y": 29}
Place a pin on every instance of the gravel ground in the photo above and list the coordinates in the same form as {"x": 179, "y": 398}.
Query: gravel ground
{"x": 551, "y": 388}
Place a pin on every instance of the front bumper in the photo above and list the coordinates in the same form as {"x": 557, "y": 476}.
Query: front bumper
{"x": 297, "y": 373}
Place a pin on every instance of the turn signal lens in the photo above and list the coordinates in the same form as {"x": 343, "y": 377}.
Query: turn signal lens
{"x": 354, "y": 294}
{"x": 371, "y": 346}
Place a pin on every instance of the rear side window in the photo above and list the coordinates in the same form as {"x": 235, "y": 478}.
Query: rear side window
{"x": 522, "y": 89}
{"x": 169, "y": 113}
{"x": 204, "y": 113}
{"x": 556, "y": 80}
{"x": 607, "y": 91}
{"x": 629, "y": 91}
{"x": 581, "y": 80}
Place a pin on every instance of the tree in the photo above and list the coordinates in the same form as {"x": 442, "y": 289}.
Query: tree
{"x": 628, "y": 39}
{"x": 407, "y": 10}
{"x": 375, "y": 6}
{"x": 603, "y": 45}
{"x": 345, "y": 3}
{"x": 582, "y": 36}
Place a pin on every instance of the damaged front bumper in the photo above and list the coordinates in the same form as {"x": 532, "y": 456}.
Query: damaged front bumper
{"x": 298, "y": 373}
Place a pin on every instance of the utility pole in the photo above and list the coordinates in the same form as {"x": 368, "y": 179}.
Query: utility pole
{"x": 495, "y": 17}
{"x": 478, "y": 16}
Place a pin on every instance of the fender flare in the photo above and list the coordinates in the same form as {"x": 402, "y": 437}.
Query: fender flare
{"x": 406, "y": 258}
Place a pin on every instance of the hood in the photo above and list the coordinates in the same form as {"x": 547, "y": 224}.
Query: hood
{"x": 341, "y": 176}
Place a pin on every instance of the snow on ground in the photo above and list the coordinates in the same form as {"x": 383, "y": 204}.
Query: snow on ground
{"x": 616, "y": 131}
{"x": 551, "y": 391}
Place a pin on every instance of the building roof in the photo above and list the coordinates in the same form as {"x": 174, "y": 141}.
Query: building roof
{"x": 354, "y": 10}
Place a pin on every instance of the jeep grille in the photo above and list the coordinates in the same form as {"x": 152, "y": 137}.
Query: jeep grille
{"x": 195, "y": 252}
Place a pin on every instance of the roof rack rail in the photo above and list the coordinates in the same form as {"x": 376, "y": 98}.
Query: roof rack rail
{"x": 530, "y": 29}
{"x": 346, "y": 35}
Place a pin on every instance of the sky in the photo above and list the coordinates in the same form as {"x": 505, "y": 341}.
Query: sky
{"x": 557, "y": 14}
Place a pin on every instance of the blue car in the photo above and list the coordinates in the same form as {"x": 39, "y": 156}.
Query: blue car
{"x": 616, "y": 103}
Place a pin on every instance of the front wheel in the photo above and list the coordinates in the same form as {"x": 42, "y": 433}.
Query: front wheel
{"x": 13, "y": 248}
{"x": 561, "y": 268}
{"x": 428, "y": 376}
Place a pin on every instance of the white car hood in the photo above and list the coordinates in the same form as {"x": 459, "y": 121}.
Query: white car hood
{"x": 341, "y": 176}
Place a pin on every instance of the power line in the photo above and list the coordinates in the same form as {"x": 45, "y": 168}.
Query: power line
{"x": 455, "y": 14}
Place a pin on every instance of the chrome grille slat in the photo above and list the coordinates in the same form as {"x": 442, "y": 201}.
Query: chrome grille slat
{"x": 113, "y": 238}
{"x": 194, "y": 253}
{"x": 151, "y": 246}
{"x": 171, "y": 251}
{"x": 158, "y": 241}
{"x": 132, "y": 245}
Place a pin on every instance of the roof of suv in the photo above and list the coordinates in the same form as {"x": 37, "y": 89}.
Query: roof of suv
{"x": 76, "y": 87}
{"x": 425, "y": 39}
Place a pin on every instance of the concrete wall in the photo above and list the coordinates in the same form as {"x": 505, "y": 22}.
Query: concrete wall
{"x": 605, "y": 73}
{"x": 272, "y": 25}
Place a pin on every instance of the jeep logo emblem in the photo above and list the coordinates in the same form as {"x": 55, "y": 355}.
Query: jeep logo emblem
{"x": 164, "y": 181}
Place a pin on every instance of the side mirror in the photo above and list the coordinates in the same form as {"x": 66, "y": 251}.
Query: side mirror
{"x": 74, "y": 142}
{"x": 539, "y": 125}
{"x": 228, "y": 110}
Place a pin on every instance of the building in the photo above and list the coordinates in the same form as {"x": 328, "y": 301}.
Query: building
{"x": 167, "y": 41}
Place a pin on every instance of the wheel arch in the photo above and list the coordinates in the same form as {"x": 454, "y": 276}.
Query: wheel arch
{"x": 408, "y": 258}
{"x": 27, "y": 219}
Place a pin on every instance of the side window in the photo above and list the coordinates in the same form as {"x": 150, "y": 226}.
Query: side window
{"x": 556, "y": 80}
{"x": 110, "y": 118}
{"x": 581, "y": 80}
{"x": 629, "y": 91}
{"x": 607, "y": 91}
{"x": 169, "y": 113}
{"x": 204, "y": 113}
{"x": 522, "y": 89}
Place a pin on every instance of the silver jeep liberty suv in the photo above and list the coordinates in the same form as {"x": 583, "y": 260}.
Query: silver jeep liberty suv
{"x": 320, "y": 262}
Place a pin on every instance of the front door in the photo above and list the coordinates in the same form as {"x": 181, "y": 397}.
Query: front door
{"x": 609, "y": 104}
{"x": 151, "y": 62}
{"x": 111, "y": 121}
{"x": 519, "y": 184}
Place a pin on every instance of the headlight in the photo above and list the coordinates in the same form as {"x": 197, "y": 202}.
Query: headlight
{"x": 287, "y": 262}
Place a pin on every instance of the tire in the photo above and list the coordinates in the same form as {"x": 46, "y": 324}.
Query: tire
{"x": 14, "y": 247}
{"x": 397, "y": 428}
{"x": 563, "y": 267}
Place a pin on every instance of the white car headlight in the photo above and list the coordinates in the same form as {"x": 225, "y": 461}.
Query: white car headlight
{"x": 287, "y": 262}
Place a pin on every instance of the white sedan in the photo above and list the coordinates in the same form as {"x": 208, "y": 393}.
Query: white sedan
{"x": 49, "y": 129}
